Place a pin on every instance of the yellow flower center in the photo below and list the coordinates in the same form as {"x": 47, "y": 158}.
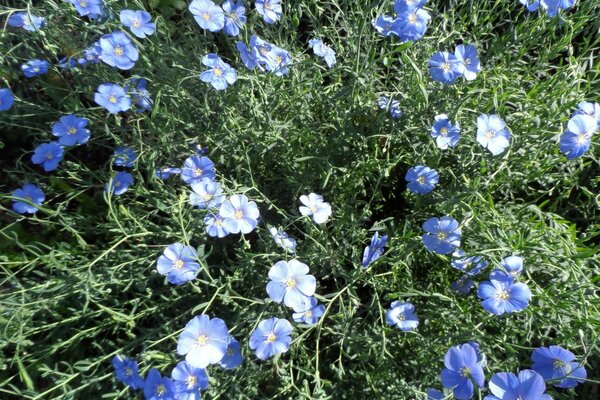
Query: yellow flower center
{"x": 558, "y": 364}
{"x": 207, "y": 197}
{"x": 161, "y": 389}
{"x": 582, "y": 138}
{"x": 206, "y": 16}
{"x": 441, "y": 236}
{"x": 446, "y": 67}
{"x": 444, "y": 131}
{"x": 202, "y": 340}
{"x": 271, "y": 337}
{"x": 490, "y": 134}
{"x": 191, "y": 381}
{"x": 467, "y": 61}
{"x": 230, "y": 351}
{"x": 128, "y": 372}
{"x": 239, "y": 214}
{"x": 197, "y": 172}
{"x": 308, "y": 314}
{"x": 217, "y": 71}
{"x": 136, "y": 24}
{"x": 412, "y": 18}
{"x": 178, "y": 264}
{"x": 267, "y": 5}
{"x": 83, "y": 3}
{"x": 36, "y": 69}
{"x": 49, "y": 156}
{"x": 401, "y": 317}
{"x": 465, "y": 372}
{"x": 504, "y": 295}
{"x": 117, "y": 183}
{"x": 112, "y": 99}
{"x": 313, "y": 209}
{"x": 278, "y": 59}
{"x": 218, "y": 222}
{"x": 421, "y": 180}
{"x": 290, "y": 283}
{"x": 119, "y": 50}
{"x": 72, "y": 130}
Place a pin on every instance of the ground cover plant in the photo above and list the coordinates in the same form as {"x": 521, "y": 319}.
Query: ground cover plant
{"x": 317, "y": 199}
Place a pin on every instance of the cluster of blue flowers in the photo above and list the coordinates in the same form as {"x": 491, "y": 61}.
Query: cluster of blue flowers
{"x": 409, "y": 23}
{"x": 446, "y": 67}
{"x": 123, "y": 157}
{"x": 552, "y": 7}
{"x": 390, "y": 104}
{"x": 464, "y": 369}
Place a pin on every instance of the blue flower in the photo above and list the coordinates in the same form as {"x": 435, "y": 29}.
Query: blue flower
{"x": 112, "y": 97}
{"x": 468, "y": 62}
{"x": 401, "y": 6}
{"x": 315, "y": 206}
{"x": 394, "y": 106}
{"x": 26, "y": 21}
{"x": 444, "y": 67}
{"x": 421, "y": 179}
{"x": 470, "y": 265}
{"x": 215, "y": 225}
{"x": 158, "y": 387}
{"x": 7, "y": 99}
{"x": 492, "y": 133}
{"x": 203, "y": 341}
{"x": 269, "y": 9}
{"x": 411, "y": 25}
{"x": 553, "y": 6}
{"x": 290, "y": 283}
{"x": 188, "y": 381}
{"x": 235, "y": 17}
{"x": 463, "y": 285}
{"x": 445, "y": 134}
{"x": 374, "y": 250}
{"x": 91, "y": 55}
{"x": 34, "y": 68}
{"x": 48, "y": 154}
{"x": 126, "y": 371}
{"x": 312, "y": 314}
{"x": 442, "y": 235}
{"x": 402, "y": 315}
{"x": 141, "y": 97}
{"x": 248, "y": 58}
{"x": 118, "y": 50}
{"x": 197, "y": 168}
{"x": 179, "y": 263}
{"x": 283, "y": 240}
{"x": 529, "y": 385}
{"x": 591, "y": 109}
{"x": 383, "y": 24}
{"x": 434, "y": 394}
{"x": 165, "y": 172}
{"x": 239, "y": 214}
{"x": 120, "y": 183}
{"x": 512, "y": 267}
{"x": 271, "y": 337}
{"x": 578, "y": 137}
{"x": 71, "y": 130}
{"x": 233, "y": 357}
{"x": 138, "y": 21}
{"x": 220, "y": 75}
{"x": 124, "y": 157}
{"x": 462, "y": 369}
{"x": 31, "y": 193}
{"x": 559, "y": 366}
{"x": 67, "y": 63}
{"x": 502, "y": 295}
{"x": 208, "y": 15}
{"x": 531, "y": 5}
{"x": 206, "y": 194}
{"x": 88, "y": 8}
{"x": 278, "y": 61}
{"x": 322, "y": 50}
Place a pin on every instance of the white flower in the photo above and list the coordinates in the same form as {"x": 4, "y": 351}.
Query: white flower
{"x": 315, "y": 206}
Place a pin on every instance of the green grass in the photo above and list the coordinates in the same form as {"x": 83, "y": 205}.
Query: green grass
{"x": 78, "y": 281}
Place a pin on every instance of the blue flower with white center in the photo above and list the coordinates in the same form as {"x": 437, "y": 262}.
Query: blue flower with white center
{"x": 402, "y": 316}
{"x": 141, "y": 97}
{"x": 421, "y": 179}
{"x": 120, "y": 183}
{"x": 188, "y": 381}
{"x": 290, "y": 283}
{"x": 442, "y": 235}
{"x": 208, "y": 15}
{"x": 271, "y": 337}
{"x": 157, "y": 387}
{"x": 383, "y": 24}
{"x": 578, "y": 137}
{"x": 444, "y": 67}
{"x": 322, "y": 50}
{"x": 468, "y": 62}
{"x": 91, "y": 55}
{"x": 463, "y": 367}
{"x": 532, "y": 5}
{"x": 71, "y": 130}
{"x": 552, "y": 7}
{"x": 463, "y": 285}
{"x": 248, "y": 57}
{"x": 214, "y": 224}
{"x": 469, "y": 265}
{"x": 411, "y": 25}
{"x": 235, "y": 17}
{"x": 492, "y": 133}
{"x": 88, "y": 8}
{"x": 179, "y": 263}
{"x": 283, "y": 240}
{"x": 502, "y": 295}
{"x": 269, "y": 9}
{"x": 444, "y": 132}
{"x": 233, "y": 358}
{"x": 278, "y": 61}
{"x": 118, "y": 50}
{"x": 124, "y": 157}
{"x": 7, "y": 99}
{"x": 139, "y": 22}
{"x": 312, "y": 314}
{"x": 29, "y": 22}
{"x": 374, "y": 250}
{"x": 112, "y": 97}
{"x": 48, "y": 155}
{"x": 195, "y": 169}
{"x": 32, "y": 194}
{"x": 203, "y": 341}
{"x": 240, "y": 215}
{"x": 126, "y": 371}
{"x": 558, "y": 365}
{"x": 588, "y": 108}
{"x": 402, "y": 6}
{"x": 529, "y": 385}
{"x": 35, "y": 68}
{"x": 206, "y": 194}
{"x": 313, "y": 205}
{"x": 220, "y": 75}
{"x": 393, "y": 105}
